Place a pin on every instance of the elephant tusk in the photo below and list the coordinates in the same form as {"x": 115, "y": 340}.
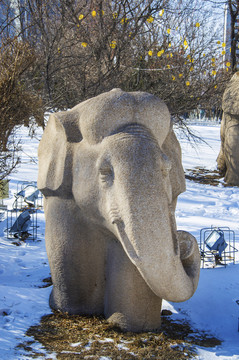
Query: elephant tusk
{"x": 115, "y": 218}
{"x": 129, "y": 249}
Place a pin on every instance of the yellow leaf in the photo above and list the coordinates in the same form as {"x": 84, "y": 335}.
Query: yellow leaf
{"x": 124, "y": 21}
{"x": 228, "y": 64}
{"x": 168, "y": 31}
{"x": 215, "y": 86}
{"x": 218, "y": 42}
{"x": 185, "y": 43}
{"x": 203, "y": 54}
{"x": 223, "y": 52}
{"x": 93, "y": 13}
{"x": 171, "y": 55}
{"x": 161, "y": 12}
{"x": 84, "y": 44}
{"x": 191, "y": 68}
{"x": 102, "y": 12}
{"x": 213, "y": 59}
{"x": 168, "y": 66}
{"x": 150, "y": 19}
{"x": 81, "y": 16}
{"x": 159, "y": 53}
{"x": 173, "y": 77}
{"x": 187, "y": 83}
{"x": 113, "y": 44}
{"x": 115, "y": 15}
{"x": 223, "y": 44}
{"x": 169, "y": 44}
{"x": 180, "y": 75}
{"x": 150, "y": 53}
{"x": 230, "y": 49}
{"x": 214, "y": 72}
{"x": 197, "y": 24}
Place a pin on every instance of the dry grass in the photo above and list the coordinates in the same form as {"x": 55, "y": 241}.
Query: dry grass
{"x": 81, "y": 337}
{"x": 204, "y": 176}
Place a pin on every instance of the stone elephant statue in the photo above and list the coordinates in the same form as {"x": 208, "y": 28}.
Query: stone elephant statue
{"x": 110, "y": 172}
{"x": 228, "y": 158}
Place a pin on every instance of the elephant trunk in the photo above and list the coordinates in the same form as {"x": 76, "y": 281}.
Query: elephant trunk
{"x": 167, "y": 259}
{"x": 141, "y": 205}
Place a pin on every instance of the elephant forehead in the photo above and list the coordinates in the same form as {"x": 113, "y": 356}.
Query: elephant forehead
{"x": 130, "y": 151}
{"x": 102, "y": 115}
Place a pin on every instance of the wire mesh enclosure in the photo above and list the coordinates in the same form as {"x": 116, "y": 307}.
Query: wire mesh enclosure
{"x": 22, "y": 224}
{"x": 22, "y": 218}
{"x": 217, "y": 246}
{"x": 27, "y": 195}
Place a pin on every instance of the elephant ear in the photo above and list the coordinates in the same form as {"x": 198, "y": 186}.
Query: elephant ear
{"x": 172, "y": 149}
{"x": 55, "y": 154}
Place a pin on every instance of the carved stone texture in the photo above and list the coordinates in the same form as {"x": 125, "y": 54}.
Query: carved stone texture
{"x": 228, "y": 158}
{"x": 110, "y": 172}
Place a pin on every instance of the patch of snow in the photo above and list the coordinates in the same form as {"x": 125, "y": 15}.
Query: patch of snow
{"x": 76, "y": 344}
{"x": 122, "y": 347}
{"x": 106, "y": 340}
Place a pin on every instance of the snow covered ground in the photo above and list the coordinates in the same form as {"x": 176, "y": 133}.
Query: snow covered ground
{"x": 213, "y": 308}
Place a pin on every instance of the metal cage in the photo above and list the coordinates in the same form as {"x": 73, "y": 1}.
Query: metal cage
{"x": 22, "y": 224}
{"x": 217, "y": 246}
{"x": 27, "y": 195}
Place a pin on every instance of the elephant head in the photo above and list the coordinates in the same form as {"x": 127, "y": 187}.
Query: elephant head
{"x": 117, "y": 157}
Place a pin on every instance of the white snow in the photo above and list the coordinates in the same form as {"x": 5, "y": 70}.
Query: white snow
{"x": 213, "y": 307}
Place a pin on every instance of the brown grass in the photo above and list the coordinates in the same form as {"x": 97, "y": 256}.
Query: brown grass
{"x": 93, "y": 337}
{"x": 204, "y": 176}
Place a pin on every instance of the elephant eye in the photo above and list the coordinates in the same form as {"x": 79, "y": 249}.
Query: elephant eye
{"x": 107, "y": 174}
